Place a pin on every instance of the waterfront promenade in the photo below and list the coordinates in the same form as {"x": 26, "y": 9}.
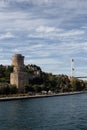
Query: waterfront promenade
{"x": 8, "y": 98}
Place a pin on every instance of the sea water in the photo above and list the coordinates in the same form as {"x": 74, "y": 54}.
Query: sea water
{"x": 52, "y": 113}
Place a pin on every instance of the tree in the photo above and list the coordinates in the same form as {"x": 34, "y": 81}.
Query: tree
{"x": 26, "y": 88}
{"x": 4, "y": 89}
{"x": 13, "y": 89}
{"x": 77, "y": 85}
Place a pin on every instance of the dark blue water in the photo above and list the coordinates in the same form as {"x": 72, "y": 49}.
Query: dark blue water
{"x": 53, "y": 113}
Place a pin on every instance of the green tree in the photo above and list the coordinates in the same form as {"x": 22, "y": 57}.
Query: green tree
{"x": 13, "y": 89}
{"x": 4, "y": 89}
{"x": 77, "y": 85}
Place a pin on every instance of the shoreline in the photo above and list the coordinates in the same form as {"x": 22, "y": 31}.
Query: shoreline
{"x": 9, "y": 98}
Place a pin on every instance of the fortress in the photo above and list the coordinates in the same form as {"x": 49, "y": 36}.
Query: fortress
{"x": 19, "y": 77}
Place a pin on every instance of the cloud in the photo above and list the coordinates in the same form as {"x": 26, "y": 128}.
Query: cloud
{"x": 43, "y": 61}
{"x": 45, "y": 29}
{"x": 72, "y": 33}
{"x": 5, "y": 62}
{"x": 7, "y": 35}
{"x": 47, "y": 32}
{"x": 14, "y": 21}
{"x": 3, "y": 4}
{"x": 32, "y": 2}
{"x": 58, "y": 34}
{"x": 13, "y": 15}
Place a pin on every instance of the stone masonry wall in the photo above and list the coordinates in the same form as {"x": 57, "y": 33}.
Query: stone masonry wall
{"x": 19, "y": 77}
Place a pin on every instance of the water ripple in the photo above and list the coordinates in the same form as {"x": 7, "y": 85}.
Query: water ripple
{"x": 53, "y": 113}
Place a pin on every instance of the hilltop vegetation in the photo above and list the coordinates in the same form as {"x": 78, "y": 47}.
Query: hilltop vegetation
{"x": 5, "y": 73}
{"x": 40, "y": 81}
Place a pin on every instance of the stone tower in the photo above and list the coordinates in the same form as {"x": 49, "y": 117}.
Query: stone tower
{"x": 19, "y": 77}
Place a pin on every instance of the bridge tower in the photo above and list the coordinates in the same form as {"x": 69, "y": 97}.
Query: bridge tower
{"x": 72, "y": 67}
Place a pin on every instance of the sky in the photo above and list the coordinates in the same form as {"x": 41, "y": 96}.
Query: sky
{"x": 49, "y": 33}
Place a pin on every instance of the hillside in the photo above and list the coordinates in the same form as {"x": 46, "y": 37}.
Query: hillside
{"x": 40, "y": 81}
